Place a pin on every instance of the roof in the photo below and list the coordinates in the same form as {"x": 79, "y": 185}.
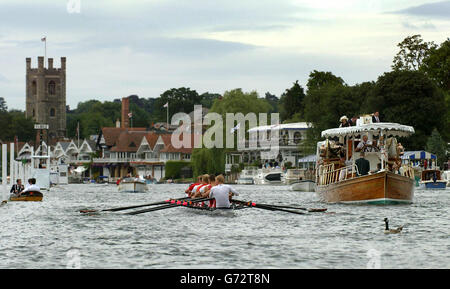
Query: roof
{"x": 111, "y": 134}
{"x": 387, "y": 128}
{"x": 418, "y": 155}
{"x": 128, "y": 141}
{"x": 285, "y": 126}
{"x": 170, "y": 148}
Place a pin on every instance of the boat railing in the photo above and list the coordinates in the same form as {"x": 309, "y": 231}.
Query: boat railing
{"x": 327, "y": 174}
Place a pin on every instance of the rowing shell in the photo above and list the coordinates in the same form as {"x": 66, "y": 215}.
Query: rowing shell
{"x": 217, "y": 211}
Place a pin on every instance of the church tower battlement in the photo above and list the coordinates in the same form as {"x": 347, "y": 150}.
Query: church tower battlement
{"x": 46, "y": 95}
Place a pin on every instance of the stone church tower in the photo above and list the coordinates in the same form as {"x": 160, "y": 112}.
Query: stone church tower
{"x": 46, "y": 96}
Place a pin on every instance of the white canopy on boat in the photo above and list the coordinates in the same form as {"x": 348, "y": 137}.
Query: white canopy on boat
{"x": 388, "y": 128}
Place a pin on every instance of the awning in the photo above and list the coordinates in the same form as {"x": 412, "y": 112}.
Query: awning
{"x": 418, "y": 155}
{"x": 80, "y": 169}
{"x": 388, "y": 128}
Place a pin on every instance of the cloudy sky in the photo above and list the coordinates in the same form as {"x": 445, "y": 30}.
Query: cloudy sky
{"x": 117, "y": 48}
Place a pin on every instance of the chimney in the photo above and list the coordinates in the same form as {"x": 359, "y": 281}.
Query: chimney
{"x": 125, "y": 111}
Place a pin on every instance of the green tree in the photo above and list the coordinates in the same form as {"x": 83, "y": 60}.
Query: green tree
{"x": 437, "y": 65}
{"x": 437, "y": 146}
{"x": 3, "y": 106}
{"x": 410, "y": 98}
{"x": 291, "y": 102}
{"x": 180, "y": 100}
{"x": 320, "y": 79}
{"x": 413, "y": 50}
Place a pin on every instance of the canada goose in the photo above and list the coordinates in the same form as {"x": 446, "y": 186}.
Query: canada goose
{"x": 391, "y": 231}
{"x": 3, "y": 202}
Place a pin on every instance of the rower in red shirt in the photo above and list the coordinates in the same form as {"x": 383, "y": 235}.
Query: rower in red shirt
{"x": 191, "y": 187}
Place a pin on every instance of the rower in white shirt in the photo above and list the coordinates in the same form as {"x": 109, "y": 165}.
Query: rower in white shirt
{"x": 222, "y": 193}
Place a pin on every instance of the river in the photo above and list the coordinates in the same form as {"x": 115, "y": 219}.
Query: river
{"x": 53, "y": 234}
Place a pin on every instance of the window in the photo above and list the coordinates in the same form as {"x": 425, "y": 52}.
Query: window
{"x": 52, "y": 112}
{"x": 297, "y": 137}
{"x": 33, "y": 87}
{"x": 51, "y": 87}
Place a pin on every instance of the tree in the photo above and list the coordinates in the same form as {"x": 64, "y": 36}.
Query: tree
{"x": 3, "y": 106}
{"x": 413, "y": 50}
{"x": 291, "y": 102}
{"x": 437, "y": 146}
{"x": 180, "y": 100}
{"x": 325, "y": 102}
{"x": 410, "y": 98}
{"x": 273, "y": 100}
{"x": 437, "y": 65}
{"x": 320, "y": 79}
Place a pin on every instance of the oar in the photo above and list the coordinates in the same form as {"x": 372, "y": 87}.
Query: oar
{"x": 297, "y": 208}
{"x": 266, "y": 207}
{"x": 133, "y": 207}
{"x": 172, "y": 205}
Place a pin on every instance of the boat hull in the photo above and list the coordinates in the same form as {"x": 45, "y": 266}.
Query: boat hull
{"x": 304, "y": 186}
{"x": 133, "y": 187}
{"x": 30, "y": 197}
{"x": 438, "y": 185}
{"x": 380, "y": 188}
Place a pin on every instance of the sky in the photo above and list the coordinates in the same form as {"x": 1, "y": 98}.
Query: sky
{"x": 116, "y": 48}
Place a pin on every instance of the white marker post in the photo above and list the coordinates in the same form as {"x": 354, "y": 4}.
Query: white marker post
{"x": 4, "y": 170}
{"x": 12, "y": 176}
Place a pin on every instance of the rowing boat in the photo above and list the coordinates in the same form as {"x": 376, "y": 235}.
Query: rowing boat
{"x": 228, "y": 212}
{"x": 27, "y": 197}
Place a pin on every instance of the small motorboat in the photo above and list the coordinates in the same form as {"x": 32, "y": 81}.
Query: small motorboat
{"x": 304, "y": 186}
{"x": 132, "y": 185}
{"x": 27, "y": 197}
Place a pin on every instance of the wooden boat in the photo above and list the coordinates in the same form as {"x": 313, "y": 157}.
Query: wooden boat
{"x": 27, "y": 197}
{"x": 431, "y": 179}
{"x": 132, "y": 185}
{"x": 304, "y": 186}
{"x": 386, "y": 183}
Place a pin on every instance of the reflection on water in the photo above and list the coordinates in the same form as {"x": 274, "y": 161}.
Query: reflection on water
{"x": 53, "y": 234}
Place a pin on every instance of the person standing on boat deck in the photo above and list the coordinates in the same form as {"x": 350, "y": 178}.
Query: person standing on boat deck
{"x": 344, "y": 122}
{"x": 17, "y": 188}
{"x": 222, "y": 193}
{"x": 376, "y": 117}
{"x": 363, "y": 165}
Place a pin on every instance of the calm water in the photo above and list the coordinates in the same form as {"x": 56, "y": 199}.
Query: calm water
{"x": 53, "y": 234}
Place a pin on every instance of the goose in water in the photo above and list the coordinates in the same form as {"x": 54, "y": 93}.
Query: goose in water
{"x": 391, "y": 231}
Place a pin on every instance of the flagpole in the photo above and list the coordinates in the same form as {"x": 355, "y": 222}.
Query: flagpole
{"x": 167, "y": 116}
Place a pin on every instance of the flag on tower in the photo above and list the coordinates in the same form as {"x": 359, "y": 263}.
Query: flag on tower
{"x": 130, "y": 115}
{"x": 167, "y": 104}
{"x": 44, "y": 38}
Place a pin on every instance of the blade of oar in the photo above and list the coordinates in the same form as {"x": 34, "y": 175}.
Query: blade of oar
{"x": 297, "y": 208}
{"x": 176, "y": 204}
{"x": 132, "y": 207}
{"x": 266, "y": 207}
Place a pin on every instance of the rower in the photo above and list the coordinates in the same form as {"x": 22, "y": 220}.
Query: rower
{"x": 192, "y": 186}
{"x": 222, "y": 193}
{"x": 196, "y": 192}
